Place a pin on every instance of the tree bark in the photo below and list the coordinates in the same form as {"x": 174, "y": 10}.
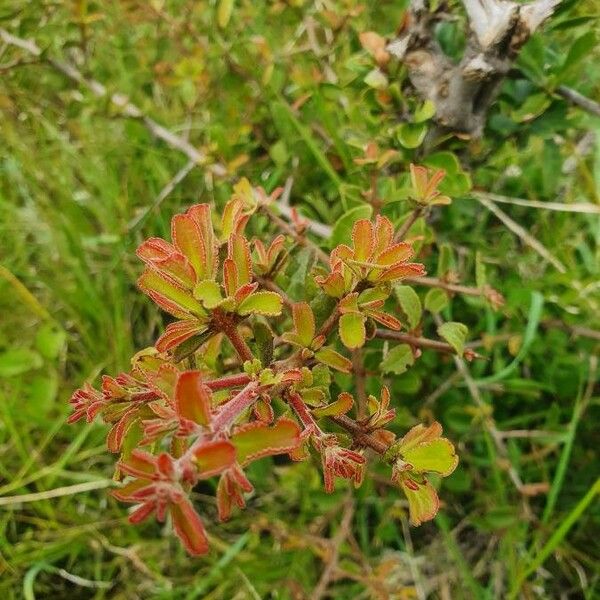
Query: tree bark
{"x": 462, "y": 93}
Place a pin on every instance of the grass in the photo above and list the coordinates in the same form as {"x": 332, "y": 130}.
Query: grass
{"x": 79, "y": 185}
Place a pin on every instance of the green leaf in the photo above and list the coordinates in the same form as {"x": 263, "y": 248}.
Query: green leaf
{"x": 50, "y": 341}
{"x": 455, "y": 334}
{"x": 436, "y": 300}
{"x": 331, "y": 358}
{"x": 436, "y": 456}
{"x": 411, "y": 135}
{"x": 423, "y": 501}
{"x": 424, "y": 112}
{"x": 255, "y": 440}
{"x": 263, "y": 339}
{"x": 18, "y": 360}
{"x": 190, "y": 345}
{"x": 397, "y": 360}
{"x": 342, "y": 230}
{"x": 352, "y": 330}
{"x": 410, "y": 303}
{"x": 262, "y": 303}
{"x": 208, "y": 292}
{"x": 340, "y": 407}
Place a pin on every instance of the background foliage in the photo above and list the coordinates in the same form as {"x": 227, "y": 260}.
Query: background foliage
{"x": 280, "y": 90}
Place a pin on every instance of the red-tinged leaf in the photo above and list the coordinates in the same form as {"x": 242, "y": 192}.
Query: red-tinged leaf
{"x": 168, "y": 295}
{"x": 352, "y": 330}
{"x": 333, "y": 284}
{"x": 230, "y": 491}
{"x": 389, "y": 321}
{"x": 255, "y": 440}
{"x": 263, "y": 411}
{"x": 418, "y": 177}
{"x": 402, "y": 271}
{"x": 142, "y": 512}
{"x": 423, "y": 501}
{"x": 201, "y": 215}
{"x": 331, "y": 358}
{"x": 193, "y": 398}
{"x": 394, "y": 254}
{"x": 230, "y": 277}
{"x": 349, "y": 304}
{"x": 261, "y": 303}
{"x": 243, "y": 292}
{"x": 231, "y": 213}
{"x": 384, "y": 234}
{"x": 420, "y": 434}
{"x": 239, "y": 252}
{"x": 363, "y": 239}
{"x": 139, "y": 464}
{"x": 127, "y": 492}
{"x": 187, "y": 237}
{"x": 304, "y": 322}
{"x": 164, "y": 465}
{"x": 340, "y": 407}
{"x": 213, "y": 458}
{"x": 189, "y": 527}
{"x": 114, "y": 440}
{"x": 261, "y": 251}
{"x": 178, "y": 332}
{"x": 165, "y": 258}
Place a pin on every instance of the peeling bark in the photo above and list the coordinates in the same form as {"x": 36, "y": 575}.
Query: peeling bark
{"x": 462, "y": 93}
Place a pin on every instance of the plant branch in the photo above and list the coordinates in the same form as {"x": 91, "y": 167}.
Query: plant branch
{"x": 301, "y": 240}
{"x": 235, "y": 407}
{"x": 408, "y": 223}
{"x": 358, "y": 433}
{"x": 579, "y": 100}
{"x": 420, "y": 342}
{"x": 228, "y": 381}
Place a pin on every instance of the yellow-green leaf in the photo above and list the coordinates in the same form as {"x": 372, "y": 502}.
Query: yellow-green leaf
{"x": 410, "y": 303}
{"x": 397, "y": 360}
{"x": 262, "y": 303}
{"x": 331, "y": 358}
{"x": 455, "y": 334}
{"x": 423, "y": 501}
{"x": 437, "y": 456}
{"x": 352, "y": 330}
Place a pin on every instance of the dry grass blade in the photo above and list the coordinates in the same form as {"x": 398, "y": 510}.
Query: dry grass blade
{"x": 522, "y": 233}
{"x": 576, "y": 207}
{"x": 68, "y": 490}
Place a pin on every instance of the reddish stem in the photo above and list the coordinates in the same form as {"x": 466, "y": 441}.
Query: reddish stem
{"x": 228, "y": 381}
{"x": 235, "y": 407}
{"x": 225, "y": 322}
{"x": 295, "y": 401}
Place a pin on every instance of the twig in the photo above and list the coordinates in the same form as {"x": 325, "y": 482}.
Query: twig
{"x": 121, "y": 101}
{"x": 413, "y": 340}
{"x": 164, "y": 193}
{"x": 359, "y": 434}
{"x": 576, "y": 330}
{"x": 358, "y": 368}
{"x": 403, "y": 230}
{"x": 522, "y": 233}
{"x": 579, "y": 100}
{"x": 335, "y": 544}
{"x": 301, "y": 240}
